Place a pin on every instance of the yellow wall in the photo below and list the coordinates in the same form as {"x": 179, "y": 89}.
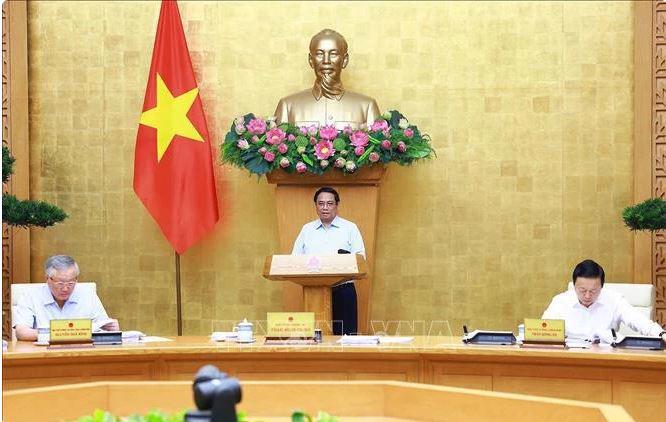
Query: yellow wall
{"x": 529, "y": 106}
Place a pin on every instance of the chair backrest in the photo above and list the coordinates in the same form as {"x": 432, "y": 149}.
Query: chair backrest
{"x": 19, "y": 289}
{"x": 640, "y": 296}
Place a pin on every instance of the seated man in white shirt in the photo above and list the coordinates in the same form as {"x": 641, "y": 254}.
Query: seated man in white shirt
{"x": 59, "y": 299}
{"x": 328, "y": 235}
{"x": 590, "y": 311}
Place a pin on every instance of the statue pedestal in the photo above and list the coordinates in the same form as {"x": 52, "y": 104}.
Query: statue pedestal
{"x": 359, "y": 198}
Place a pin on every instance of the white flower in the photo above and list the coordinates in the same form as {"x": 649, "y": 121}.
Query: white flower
{"x": 350, "y": 165}
{"x": 271, "y": 124}
{"x": 403, "y": 124}
{"x": 300, "y": 150}
{"x": 242, "y": 144}
{"x": 240, "y": 120}
{"x": 323, "y": 163}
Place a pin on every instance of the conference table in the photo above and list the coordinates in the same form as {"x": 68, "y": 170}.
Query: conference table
{"x": 632, "y": 378}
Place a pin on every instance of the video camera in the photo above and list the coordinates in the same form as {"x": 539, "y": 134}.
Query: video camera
{"x": 215, "y": 395}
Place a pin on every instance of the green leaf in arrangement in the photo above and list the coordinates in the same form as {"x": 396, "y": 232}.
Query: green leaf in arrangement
{"x": 299, "y": 416}
{"x": 302, "y": 141}
{"x": 339, "y": 144}
{"x": 307, "y": 160}
{"x": 325, "y": 417}
{"x": 364, "y": 156}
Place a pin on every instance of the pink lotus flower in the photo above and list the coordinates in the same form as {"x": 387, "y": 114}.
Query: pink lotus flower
{"x": 291, "y": 137}
{"x": 339, "y": 163}
{"x": 239, "y": 128}
{"x": 269, "y": 156}
{"x": 408, "y": 132}
{"x": 282, "y": 148}
{"x": 373, "y": 157}
{"x": 243, "y": 144}
{"x": 402, "y": 147}
{"x": 313, "y": 140}
{"x": 256, "y": 126}
{"x": 350, "y": 166}
{"x": 386, "y": 144}
{"x": 324, "y": 149}
{"x": 328, "y": 132}
{"x": 359, "y": 151}
{"x": 275, "y": 136}
{"x": 347, "y": 130}
{"x": 386, "y": 133}
{"x": 359, "y": 139}
{"x": 301, "y": 167}
{"x": 262, "y": 150}
{"x": 284, "y": 162}
{"x": 312, "y": 130}
{"x": 255, "y": 139}
{"x": 379, "y": 125}
{"x": 303, "y": 130}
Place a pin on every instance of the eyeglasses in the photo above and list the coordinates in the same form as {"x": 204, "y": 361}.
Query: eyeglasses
{"x": 60, "y": 284}
{"x": 329, "y": 204}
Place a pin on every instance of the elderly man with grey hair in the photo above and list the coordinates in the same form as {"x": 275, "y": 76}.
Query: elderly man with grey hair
{"x": 59, "y": 299}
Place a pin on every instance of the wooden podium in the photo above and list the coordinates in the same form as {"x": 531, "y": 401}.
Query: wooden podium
{"x": 359, "y": 203}
{"x": 316, "y": 274}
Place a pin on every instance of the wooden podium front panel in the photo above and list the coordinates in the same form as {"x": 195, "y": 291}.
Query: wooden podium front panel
{"x": 318, "y": 300}
{"x": 358, "y": 204}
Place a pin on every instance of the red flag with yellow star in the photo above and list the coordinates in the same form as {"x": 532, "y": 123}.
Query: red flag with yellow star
{"x": 173, "y": 165}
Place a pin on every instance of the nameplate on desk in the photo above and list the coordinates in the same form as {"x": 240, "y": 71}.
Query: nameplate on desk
{"x": 544, "y": 331}
{"x": 307, "y": 264}
{"x": 70, "y": 331}
{"x": 290, "y": 324}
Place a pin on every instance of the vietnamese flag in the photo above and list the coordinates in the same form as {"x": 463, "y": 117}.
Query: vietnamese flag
{"x": 173, "y": 165}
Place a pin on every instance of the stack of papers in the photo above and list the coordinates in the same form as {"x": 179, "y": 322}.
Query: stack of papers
{"x": 130, "y": 337}
{"x": 576, "y": 343}
{"x": 224, "y": 336}
{"x": 133, "y": 336}
{"x": 359, "y": 340}
{"x": 395, "y": 340}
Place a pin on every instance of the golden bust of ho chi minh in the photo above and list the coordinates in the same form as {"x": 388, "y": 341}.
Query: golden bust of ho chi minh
{"x": 327, "y": 102}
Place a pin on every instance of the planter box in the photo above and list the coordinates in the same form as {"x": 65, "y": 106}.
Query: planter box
{"x": 349, "y": 401}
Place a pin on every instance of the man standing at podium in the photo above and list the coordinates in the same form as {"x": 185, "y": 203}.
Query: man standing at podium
{"x": 328, "y": 235}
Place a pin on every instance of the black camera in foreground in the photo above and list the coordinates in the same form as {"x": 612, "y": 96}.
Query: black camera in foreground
{"x": 215, "y": 395}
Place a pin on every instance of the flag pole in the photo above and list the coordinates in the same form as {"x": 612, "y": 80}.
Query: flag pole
{"x": 179, "y": 315}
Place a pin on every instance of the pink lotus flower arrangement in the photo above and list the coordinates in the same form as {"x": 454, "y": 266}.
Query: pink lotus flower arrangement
{"x": 261, "y": 146}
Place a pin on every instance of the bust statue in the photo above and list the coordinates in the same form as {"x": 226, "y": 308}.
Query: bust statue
{"x": 327, "y": 102}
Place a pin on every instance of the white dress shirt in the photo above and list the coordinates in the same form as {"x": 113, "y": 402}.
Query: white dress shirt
{"x": 608, "y": 311}
{"x": 315, "y": 239}
{"x": 36, "y": 310}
